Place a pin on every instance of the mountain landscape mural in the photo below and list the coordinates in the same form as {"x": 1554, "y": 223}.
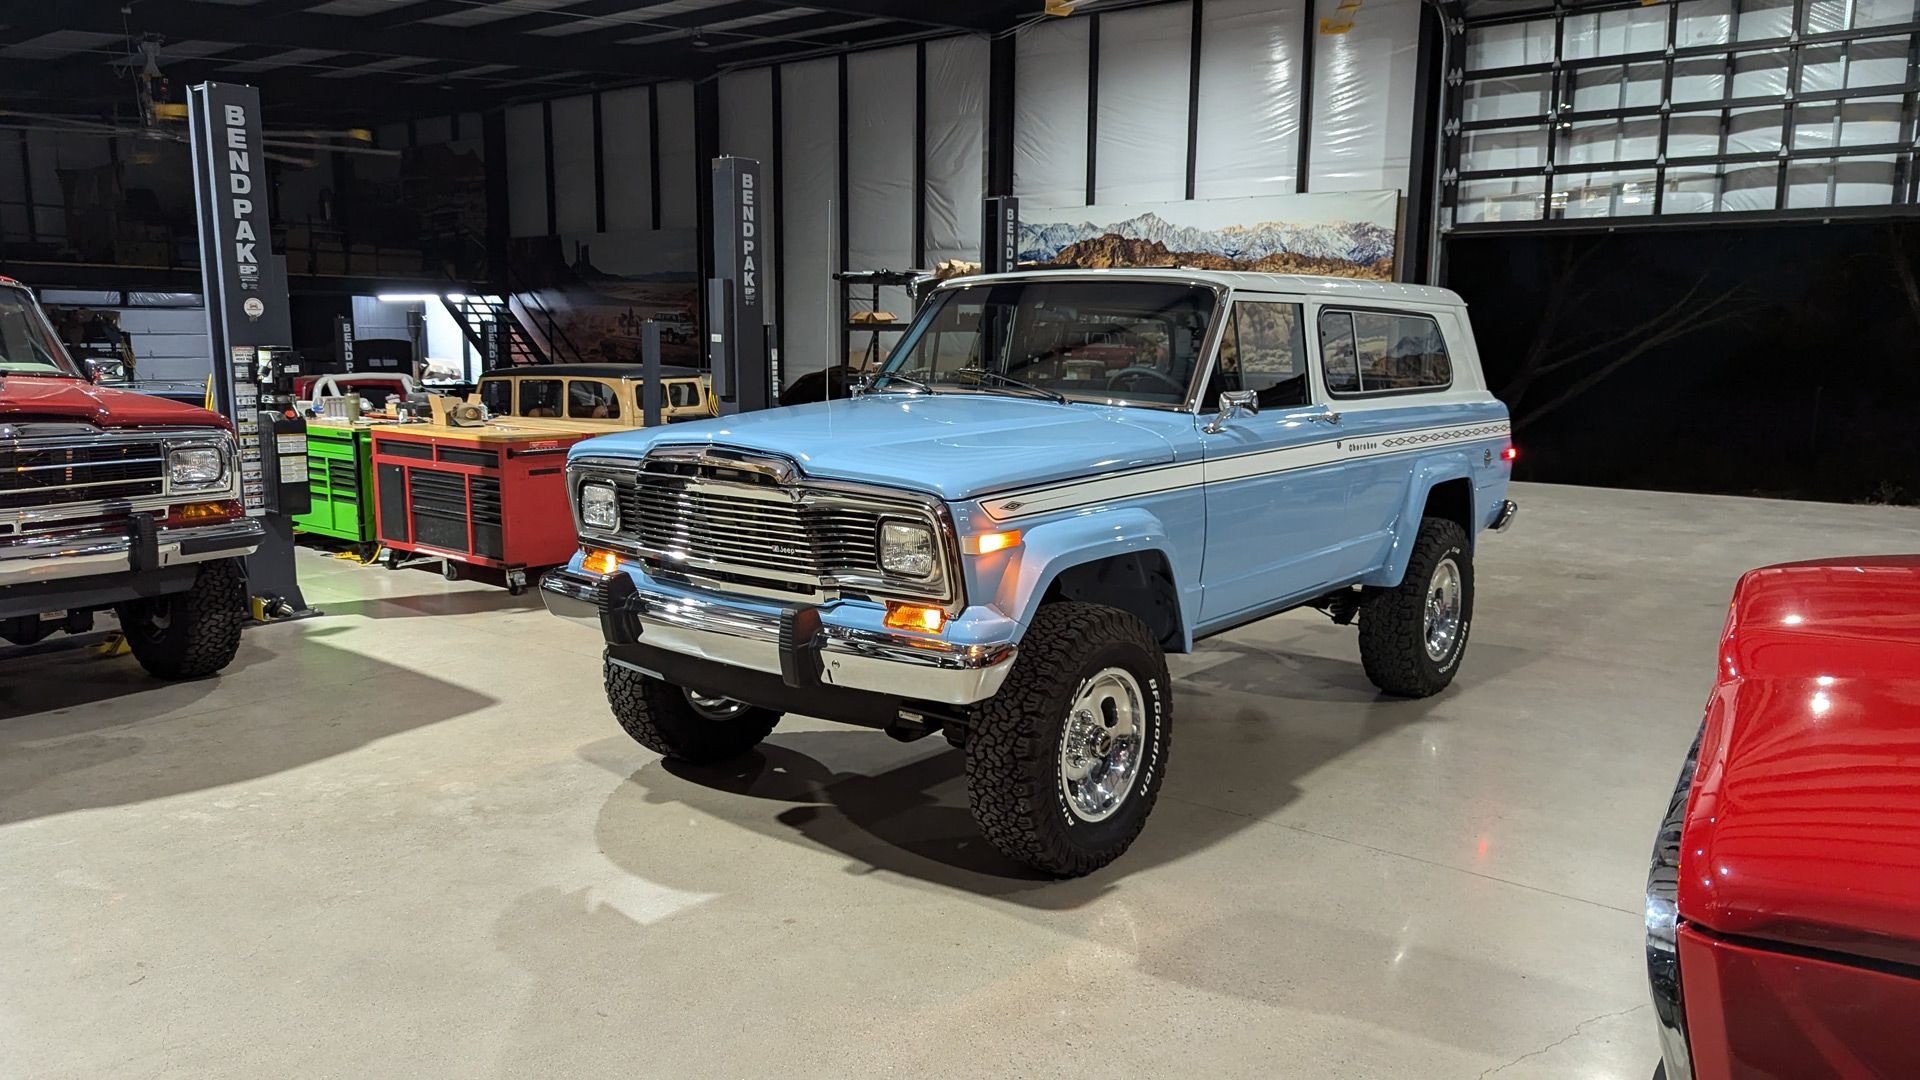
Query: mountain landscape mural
{"x": 1346, "y": 235}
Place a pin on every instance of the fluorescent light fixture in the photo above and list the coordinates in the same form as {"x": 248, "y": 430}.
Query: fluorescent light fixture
{"x": 407, "y": 298}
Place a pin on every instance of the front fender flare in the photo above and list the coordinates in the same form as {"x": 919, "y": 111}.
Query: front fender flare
{"x": 1048, "y": 549}
{"x": 1427, "y": 474}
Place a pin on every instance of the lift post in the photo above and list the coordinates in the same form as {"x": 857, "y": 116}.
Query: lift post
{"x": 737, "y": 319}
{"x": 244, "y": 288}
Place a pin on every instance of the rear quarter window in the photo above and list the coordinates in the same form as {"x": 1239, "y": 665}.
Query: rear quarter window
{"x": 1373, "y": 352}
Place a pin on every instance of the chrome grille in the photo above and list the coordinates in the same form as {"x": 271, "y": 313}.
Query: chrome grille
{"x": 56, "y": 475}
{"x": 669, "y": 514}
{"x": 756, "y": 527}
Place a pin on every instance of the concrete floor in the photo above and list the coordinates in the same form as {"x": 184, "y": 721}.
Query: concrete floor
{"x": 407, "y": 839}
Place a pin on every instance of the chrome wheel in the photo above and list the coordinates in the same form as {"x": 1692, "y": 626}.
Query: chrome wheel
{"x": 714, "y": 707}
{"x": 1100, "y": 744}
{"x": 1442, "y": 623}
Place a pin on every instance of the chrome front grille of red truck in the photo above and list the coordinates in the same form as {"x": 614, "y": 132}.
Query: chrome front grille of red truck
{"x": 38, "y": 475}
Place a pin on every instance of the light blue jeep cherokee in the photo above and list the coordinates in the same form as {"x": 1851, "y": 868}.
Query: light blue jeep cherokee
{"x": 1057, "y": 478}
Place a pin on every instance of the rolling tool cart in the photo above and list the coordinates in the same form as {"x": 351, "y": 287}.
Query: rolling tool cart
{"x": 493, "y": 497}
{"x": 339, "y": 474}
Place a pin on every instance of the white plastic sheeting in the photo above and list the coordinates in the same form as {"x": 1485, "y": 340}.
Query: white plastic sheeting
{"x": 880, "y": 136}
{"x": 679, "y": 172}
{"x": 526, "y": 170}
{"x": 957, "y": 71}
{"x": 1141, "y": 120}
{"x": 810, "y": 183}
{"x": 1364, "y": 85}
{"x": 1247, "y": 139}
{"x": 746, "y": 130}
{"x": 575, "y": 188}
{"x": 626, "y": 153}
{"x": 1050, "y": 113}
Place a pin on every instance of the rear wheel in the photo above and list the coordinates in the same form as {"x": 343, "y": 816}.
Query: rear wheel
{"x": 192, "y": 634}
{"x": 1065, "y": 762}
{"x": 682, "y": 724}
{"x": 1413, "y": 636}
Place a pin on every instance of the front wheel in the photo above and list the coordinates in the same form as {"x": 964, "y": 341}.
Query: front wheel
{"x": 1413, "y": 635}
{"x": 680, "y": 724}
{"x": 192, "y": 634}
{"x": 1065, "y": 762}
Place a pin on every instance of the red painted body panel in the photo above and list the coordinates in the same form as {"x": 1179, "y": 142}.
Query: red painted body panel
{"x": 42, "y": 397}
{"x": 1755, "y": 1013}
{"x": 1803, "y": 825}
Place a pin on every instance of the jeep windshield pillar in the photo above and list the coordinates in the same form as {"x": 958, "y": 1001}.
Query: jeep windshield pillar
{"x": 1055, "y": 480}
{"x": 114, "y": 501}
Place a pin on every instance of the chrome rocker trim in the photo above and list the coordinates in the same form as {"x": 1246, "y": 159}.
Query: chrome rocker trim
{"x": 909, "y": 668}
{"x": 62, "y": 557}
{"x": 1663, "y": 926}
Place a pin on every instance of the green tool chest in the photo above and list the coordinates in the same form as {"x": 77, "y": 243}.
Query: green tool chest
{"x": 339, "y": 470}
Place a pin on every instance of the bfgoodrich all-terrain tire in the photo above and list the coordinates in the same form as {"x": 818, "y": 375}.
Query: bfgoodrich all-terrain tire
{"x": 681, "y": 725}
{"x": 192, "y": 634}
{"x": 1065, "y": 762}
{"x": 1413, "y": 636}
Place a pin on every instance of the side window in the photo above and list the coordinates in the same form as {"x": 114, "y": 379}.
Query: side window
{"x": 1367, "y": 352}
{"x": 1264, "y": 350}
{"x": 1272, "y": 353}
{"x": 1400, "y": 352}
{"x": 588, "y": 399}
{"x": 539, "y": 397}
{"x": 683, "y": 394}
{"x": 497, "y": 396}
{"x": 1337, "y": 352}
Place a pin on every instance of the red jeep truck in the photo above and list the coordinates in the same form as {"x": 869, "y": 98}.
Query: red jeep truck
{"x": 114, "y": 500}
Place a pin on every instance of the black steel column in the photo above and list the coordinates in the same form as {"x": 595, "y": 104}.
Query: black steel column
{"x": 244, "y": 289}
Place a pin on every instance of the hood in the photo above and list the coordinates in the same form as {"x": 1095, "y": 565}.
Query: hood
{"x": 39, "y": 397}
{"x": 1804, "y": 823}
{"x": 954, "y": 445}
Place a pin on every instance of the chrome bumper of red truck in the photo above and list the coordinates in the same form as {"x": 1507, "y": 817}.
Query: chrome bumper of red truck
{"x": 80, "y": 554}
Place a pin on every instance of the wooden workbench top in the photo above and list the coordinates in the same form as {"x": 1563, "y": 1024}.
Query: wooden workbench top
{"x": 511, "y": 429}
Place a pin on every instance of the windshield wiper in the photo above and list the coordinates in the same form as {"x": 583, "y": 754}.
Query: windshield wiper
{"x": 914, "y": 385}
{"x": 1011, "y": 383}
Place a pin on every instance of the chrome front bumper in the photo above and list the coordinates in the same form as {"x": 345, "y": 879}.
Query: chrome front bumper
{"x": 789, "y": 642}
{"x": 79, "y": 555}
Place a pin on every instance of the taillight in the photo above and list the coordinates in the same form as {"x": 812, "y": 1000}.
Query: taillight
{"x": 1510, "y": 453}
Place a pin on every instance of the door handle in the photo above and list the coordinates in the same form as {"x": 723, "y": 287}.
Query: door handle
{"x": 1317, "y": 418}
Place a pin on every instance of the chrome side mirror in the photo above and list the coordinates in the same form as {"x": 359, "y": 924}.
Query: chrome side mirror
{"x": 1234, "y": 404}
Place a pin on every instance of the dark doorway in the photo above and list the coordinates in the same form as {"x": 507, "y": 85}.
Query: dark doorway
{"x": 1780, "y": 360}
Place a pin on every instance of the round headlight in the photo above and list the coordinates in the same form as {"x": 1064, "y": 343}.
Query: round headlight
{"x": 196, "y": 467}
{"x": 906, "y": 549}
{"x": 600, "y": 507}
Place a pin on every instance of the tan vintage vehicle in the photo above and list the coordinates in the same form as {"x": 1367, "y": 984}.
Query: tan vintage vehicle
{"x": 602, "y": 392}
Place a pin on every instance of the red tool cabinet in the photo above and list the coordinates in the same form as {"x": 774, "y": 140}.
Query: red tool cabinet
{"x": 493, "y": 496}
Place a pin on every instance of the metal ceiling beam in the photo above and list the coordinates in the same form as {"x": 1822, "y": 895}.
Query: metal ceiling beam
{"x": 979, "y": 18}
{"x": 178, "y": 20}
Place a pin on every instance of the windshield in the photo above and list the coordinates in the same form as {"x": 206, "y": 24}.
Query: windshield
{"x": 1130, "y": 342}
{"x": 27, "y": 344}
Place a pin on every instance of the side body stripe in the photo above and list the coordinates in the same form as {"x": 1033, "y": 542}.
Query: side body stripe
{"x": 1153, "y": 480}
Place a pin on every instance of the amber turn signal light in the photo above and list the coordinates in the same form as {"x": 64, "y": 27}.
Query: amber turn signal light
{"x": 988, "y": 543}
{"x": 600, "y": 562}
{"x": 927, "y": 620}
{"x": 200, "y": 513}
